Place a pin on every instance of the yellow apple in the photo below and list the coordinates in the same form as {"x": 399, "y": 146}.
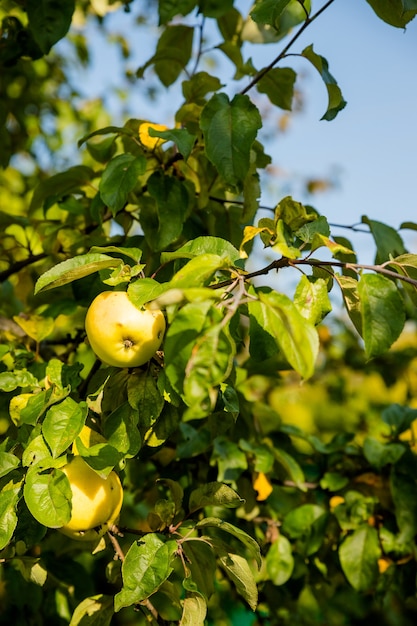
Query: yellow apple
{"x": 119, "y": 333}
{"x": 96, "y": 501}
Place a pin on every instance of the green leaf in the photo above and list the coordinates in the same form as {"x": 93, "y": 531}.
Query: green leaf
{"x": 8, "y": 517}
{"x": 183, "y": 139}
{"x": 394, "y": 12}
{"x": 403, "y": 492}
{"x": 49, "y": 21}
{"x": 312, "y": 299}
{"x": 73, "y": 269}
{"x": 295, "y": 215}
{"x": 163, "y": 222}
{"x": 355, "y": 510}
{"x": 35, "y": 451}
{"x": 180, "y": 340}
{"x": 239, "y": 572}
{"x": 147, "y": 564}
{"x": 291, "y": 466}
{"x": 119, "y": 178}
{"x": 336, "y": 102}
{"x": 201, "y": 564}
{"x": 114, "y": 130}
{"x": 307, "y": 232}
{"x": 268, "y": 11}
{"x": 274, "y": 19}
{"x": 203, "y": 245}
{"x": 382, "y": 311}
{"x": 131, "y": 253}
{"x": 380, "y": 454}
{"x": 191, "y": 294}
{"x": 282, "y": 242}
{"x": 60, "y": 185}
{"x": 62, "y": 423}
{"x": 103, "y": 150}
{"x": 409, "y": 225}
{"x": 278, "y": 85}
{"x": 278, "y": 316}
{"x": 240, "y": 534}
{"x": 230, "y": 128}
{"x": 333, "y": 481}
{"x": 198, "y": 271}
{"x": 398, "y": 417}
{"x": 172, "y": 54}
{"x": 176, "y": 492}
{"x": 359, "y": 554}
{"x": 194, "y": 610}
{"x": 406, "y": 265}
{"x": 388, "y": 241}
{"x": 215, "y": 8}
{"x": 169, "y": 9}
{"x": 231, "y": 461}
{"x": 166, "y": 424}
{"x": 8, "y": 462}
{"x": 101, "y": 457}
{"x": 144, "y": 290}
{"x": 209, "y": 365}
{"x": 307, "y": 523}
{"x": 279, "y": 561}
{"x": 350, "y": 293}
{"x": 198, "y": 86}
{"x": 145, "y": 397}
{"x": 262, "y": 455}
{"x": 9, "y": 381}
{"x": 120, "y": 428}
{"x": 93, "y": 611}
{"x": 48, "y": 496}
{"x": 214, "y": 494}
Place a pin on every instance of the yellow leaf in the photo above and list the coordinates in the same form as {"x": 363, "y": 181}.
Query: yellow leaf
{"x": 262, "y": 485}
{"x": 383, "y": 564}
{"x": 146, "y": 139}
{"x": 335, "y": 501}
{"x": 36, "y": 327}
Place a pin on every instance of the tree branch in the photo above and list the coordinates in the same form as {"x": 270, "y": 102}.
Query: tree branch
{"x": 379, "y": 269}
{"x": 19, "y": 265}
{"x": 286, "y": 262}
{"x": 282, "y": 54}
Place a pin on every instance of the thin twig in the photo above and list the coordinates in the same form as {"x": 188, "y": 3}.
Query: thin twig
{"x": 286, "y": 262}
{"x": 116, "y": 545}
{"x": 200, "y": 46}
{"x": 282, "y": 54}
{"x": 152, "y": 610}
{"x": 379, "y": 269}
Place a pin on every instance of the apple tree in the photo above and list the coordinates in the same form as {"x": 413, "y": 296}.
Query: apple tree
{"x": 267, "y": 448}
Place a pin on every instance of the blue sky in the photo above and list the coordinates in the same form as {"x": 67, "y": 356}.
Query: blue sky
{"x": 372, "y": 144}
